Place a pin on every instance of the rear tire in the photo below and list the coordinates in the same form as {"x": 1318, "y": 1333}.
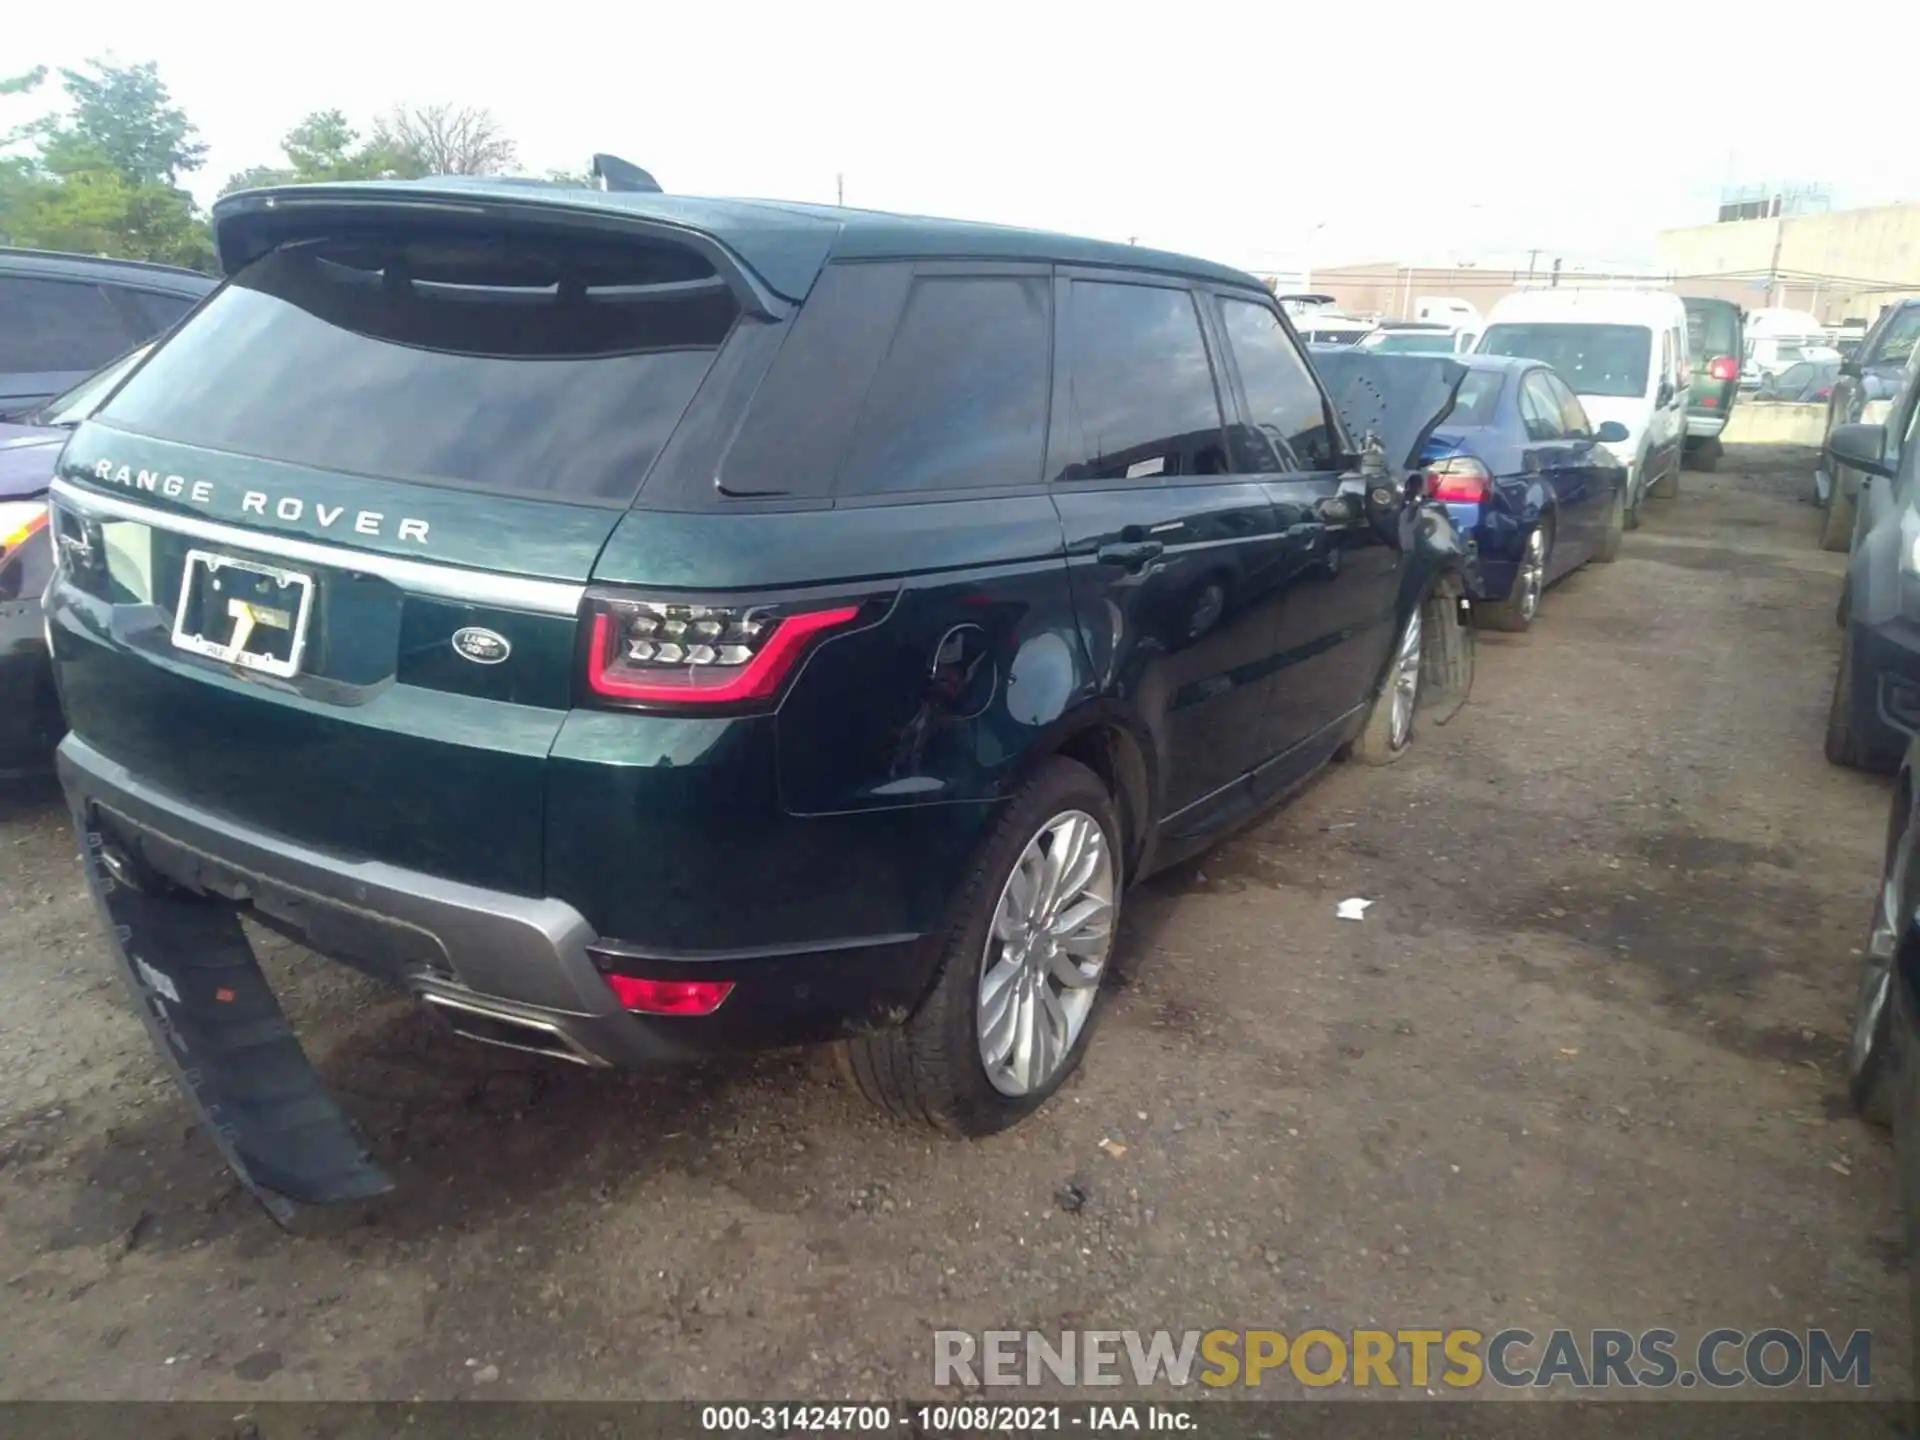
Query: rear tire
{"x": 1836, "y": 525}
{"x": 1608, "y": 550}
{"x": 931, "y": 1069}
{"x": 1840, "y": 746}
{"x": 1707, "y": 458}
{"x": 1521, "y": 607}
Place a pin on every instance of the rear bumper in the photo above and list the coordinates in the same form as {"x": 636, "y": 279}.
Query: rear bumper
{"x": 1705, "y": 427}
{"x": 29, "y": 706}
{"x": 510, "y": 969}
{"x": 1498, "y": 541}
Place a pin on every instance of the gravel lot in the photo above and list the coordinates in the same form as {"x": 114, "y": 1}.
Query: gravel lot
{"x": 1579, "y": 1065}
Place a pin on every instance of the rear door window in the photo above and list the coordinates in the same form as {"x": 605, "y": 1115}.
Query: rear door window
{"x": 1284, "y": 405}
{"x": 57, "y": 325}
{"x": 1141, "y": 400}
{"x": 525, "y": 362}
{"x": 1712, "y": 331}
{"x": 960, "y": 400}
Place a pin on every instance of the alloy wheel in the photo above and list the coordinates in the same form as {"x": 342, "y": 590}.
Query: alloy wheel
{"x": 1048, "y": 945}
{"x": 1876, "y": 968}
{"x": 1405, "y": 681}
{"x": 1532, "y": 579}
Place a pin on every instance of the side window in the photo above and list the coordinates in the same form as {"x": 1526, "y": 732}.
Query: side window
{"x": 1909, "y": 443}
{"x": 1539, "y": 407}
{"x": 1574, "y": 424}
{"x": 158, "y": 312}
{"x": 50, "y": 325}
{"x": 1141, "y": 400}
{"x": 961, "y": 398}
{"x": 1283, "y": 402}
{"x": 1897, "y": 340}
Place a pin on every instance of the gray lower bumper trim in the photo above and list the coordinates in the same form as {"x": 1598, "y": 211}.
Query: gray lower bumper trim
{"x": 527, "y": 951}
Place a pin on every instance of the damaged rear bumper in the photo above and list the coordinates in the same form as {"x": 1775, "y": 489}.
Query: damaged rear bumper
{"x": 172, "y": 880}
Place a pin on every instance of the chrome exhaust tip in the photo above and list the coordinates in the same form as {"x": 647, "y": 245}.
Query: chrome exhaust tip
{"x": 505, "y": 1030}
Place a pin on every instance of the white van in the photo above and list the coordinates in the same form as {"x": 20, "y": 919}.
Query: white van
{"x": 1624, "y": 352}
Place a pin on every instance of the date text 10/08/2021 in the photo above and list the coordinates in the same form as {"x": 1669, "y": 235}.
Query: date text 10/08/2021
{"x": 963, "y": 1418}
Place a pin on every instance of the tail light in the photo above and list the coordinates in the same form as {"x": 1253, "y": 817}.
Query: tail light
{"x": 1825, "y": 392}
{"x": 20, "y": 521}
{"x": 1723, "y": 367}
{"x": 669, "y": 997}
{"x": 691, "y": 653}
{"x": 1458, "y": 480}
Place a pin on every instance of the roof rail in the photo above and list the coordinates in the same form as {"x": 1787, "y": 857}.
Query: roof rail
{"x": 613, "y": 173}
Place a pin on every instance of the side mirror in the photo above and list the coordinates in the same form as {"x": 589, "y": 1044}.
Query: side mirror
{"x": 1860, "y": 447}
{"x": 1850, "y": 368}
{"x": 1611, "y": 432}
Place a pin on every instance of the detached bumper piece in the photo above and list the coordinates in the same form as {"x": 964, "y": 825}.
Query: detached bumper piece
{"x": 222, "y": 1034}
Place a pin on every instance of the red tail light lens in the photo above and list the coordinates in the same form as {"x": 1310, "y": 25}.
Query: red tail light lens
{"x": 669, "y": 997}
{"x": 1458, "y": 480}
{"x": 1825, "y": 392}
{"x": 685, "y": 653}
{"x": 1723, "y": 367}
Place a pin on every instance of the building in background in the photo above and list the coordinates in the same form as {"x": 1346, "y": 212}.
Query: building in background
{"x": 1395, "y": 289}
{"x": 1796, "y": 254}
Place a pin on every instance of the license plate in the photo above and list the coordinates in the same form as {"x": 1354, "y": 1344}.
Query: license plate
{"x": 243, "y": 613}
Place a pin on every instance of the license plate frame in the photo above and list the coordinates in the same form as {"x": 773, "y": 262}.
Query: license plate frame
{"x": 203, "y": 568}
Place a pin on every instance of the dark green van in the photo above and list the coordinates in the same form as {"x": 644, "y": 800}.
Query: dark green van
{"x": 1714, "y": 341}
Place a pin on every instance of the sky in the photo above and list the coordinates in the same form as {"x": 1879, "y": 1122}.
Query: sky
{"x": 1248, "y": 133}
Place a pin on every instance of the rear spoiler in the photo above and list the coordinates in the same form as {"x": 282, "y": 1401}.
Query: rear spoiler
{"x": 1397, "y": 400}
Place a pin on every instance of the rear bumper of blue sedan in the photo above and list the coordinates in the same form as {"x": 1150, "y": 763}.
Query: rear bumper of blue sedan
{"x": 1499, "y": 540}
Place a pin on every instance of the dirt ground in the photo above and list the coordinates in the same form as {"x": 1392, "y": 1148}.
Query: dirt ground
{"x": 1578, "y": 1065}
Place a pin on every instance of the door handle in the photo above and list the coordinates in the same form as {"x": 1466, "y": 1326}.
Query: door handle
{"x": 1130, "y": 554}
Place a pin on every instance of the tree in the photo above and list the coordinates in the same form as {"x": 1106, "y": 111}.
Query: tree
{"x": 323, "y": 146}
{"x": 103, "y": 173}
{"x": 446, "y": 140}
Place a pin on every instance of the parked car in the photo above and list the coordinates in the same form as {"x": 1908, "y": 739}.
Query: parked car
{"x": 1875, "y": 708}
{"x": 1625, "y": 354}
{"x": 30, "y": 721}
{"x": 1808, "y": 383}
{"x": 1419, "y": 337}
{"x": 1526, "y": 475}
{"x": 1882, "y": 1054}
{"x": 1862, "y": 394}
{"x": 646, "y": 626}
{"x": 1714, "y": 348}
{"x": 62, "y": 317}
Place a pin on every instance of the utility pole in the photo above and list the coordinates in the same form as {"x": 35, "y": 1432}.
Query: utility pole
{"x": 840, "y": 189}
{"x": 1533, "y": 257}
{"x": 1773, "y": 266}
{"x": 1555, "y": 282}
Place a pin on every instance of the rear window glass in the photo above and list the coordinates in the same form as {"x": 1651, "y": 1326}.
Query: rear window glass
{"x": 961, "y": 398}
{"x": 524, "y": 363}
{"x": 1410, "y": 342}
{"x": 1593, "y": 359}
{"x": 1712, "y": 331}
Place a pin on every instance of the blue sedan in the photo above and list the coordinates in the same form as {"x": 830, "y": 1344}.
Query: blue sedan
{"x": 1524, "y": 472}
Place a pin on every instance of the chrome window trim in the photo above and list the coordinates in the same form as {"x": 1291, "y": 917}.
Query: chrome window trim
{"x": 416, "y": 577}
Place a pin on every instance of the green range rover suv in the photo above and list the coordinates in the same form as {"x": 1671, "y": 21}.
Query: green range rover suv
{"x": 644, "y": 626}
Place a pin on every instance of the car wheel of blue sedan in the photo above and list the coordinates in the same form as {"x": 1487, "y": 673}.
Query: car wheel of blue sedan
{"x": 1516, "y": 612}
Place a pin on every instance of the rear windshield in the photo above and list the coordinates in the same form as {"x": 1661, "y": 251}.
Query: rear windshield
{"x": 1475, "y": 401}
{"x": 525, "y": 363}
{"x": 1593, "y": 359}
{"x": 1712, "y": 331}
{"x": 1410, "y": 342}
